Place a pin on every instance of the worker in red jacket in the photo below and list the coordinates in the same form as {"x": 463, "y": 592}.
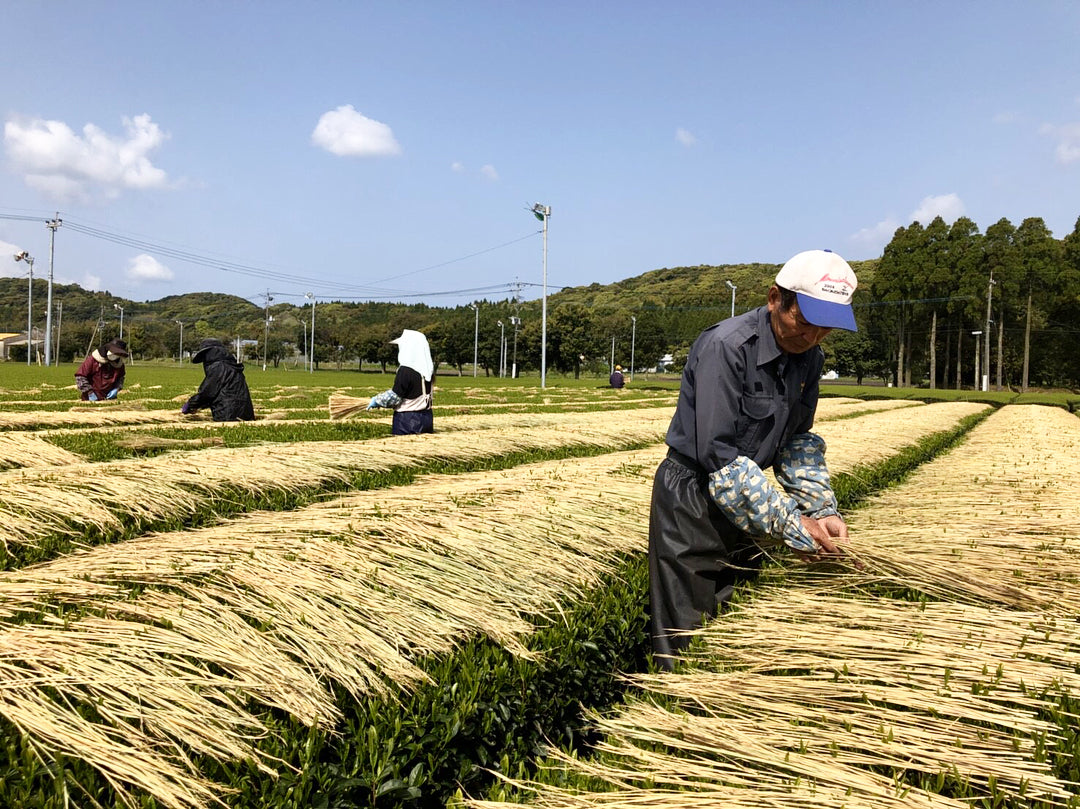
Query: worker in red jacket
{"x": 101, "y": 375}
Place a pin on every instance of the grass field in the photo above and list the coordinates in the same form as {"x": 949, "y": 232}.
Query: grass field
{"x": 302, "y": 612}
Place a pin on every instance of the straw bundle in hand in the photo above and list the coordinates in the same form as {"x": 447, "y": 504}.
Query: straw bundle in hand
{"x": 342, "y": 405}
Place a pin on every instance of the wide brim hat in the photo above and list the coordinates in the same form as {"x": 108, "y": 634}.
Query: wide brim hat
{"x": 118, "y": 347}
{"x": 204, "y": 348}
{"x": 823, "y": 284}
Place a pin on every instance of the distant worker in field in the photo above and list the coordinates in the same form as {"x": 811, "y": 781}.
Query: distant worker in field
{"x": 101, "y": 375}
{"x": 617, "y": 380}
{"x": 411, "y": 395}
{"x": 224, "y": 389}
{"x": 747, "y": 400}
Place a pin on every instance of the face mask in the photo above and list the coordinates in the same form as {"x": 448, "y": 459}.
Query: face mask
{"x": 115, "y": 359}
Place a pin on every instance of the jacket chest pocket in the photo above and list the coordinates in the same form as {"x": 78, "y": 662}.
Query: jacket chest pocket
{"x": 756, "y": 421}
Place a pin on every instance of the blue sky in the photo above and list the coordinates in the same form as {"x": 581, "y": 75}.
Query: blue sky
{"x": 391, "y": 150}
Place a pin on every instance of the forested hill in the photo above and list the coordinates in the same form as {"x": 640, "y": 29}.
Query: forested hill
{"x": 674, "y": 287}
{"x": 681, "y": 287}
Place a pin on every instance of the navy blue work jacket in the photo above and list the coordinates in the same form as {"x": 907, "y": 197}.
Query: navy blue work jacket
{"x": 742, "y": 395}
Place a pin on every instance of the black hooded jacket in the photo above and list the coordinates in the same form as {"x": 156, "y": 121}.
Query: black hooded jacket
{"x": 224, "y": 389}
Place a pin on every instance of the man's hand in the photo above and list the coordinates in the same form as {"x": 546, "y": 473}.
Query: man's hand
{"x": 186, "y": 408}
{"x": 824, "y": 532}
{"x": 372, "y": 404}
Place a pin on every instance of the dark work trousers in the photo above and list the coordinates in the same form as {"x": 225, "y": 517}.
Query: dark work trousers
{"x": 696, "y": 557}
{"x": 413, "y": 421}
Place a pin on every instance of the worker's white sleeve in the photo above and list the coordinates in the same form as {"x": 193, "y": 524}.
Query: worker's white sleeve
{"x": 745, "y": 496}
{"x": 385, "y": 399}
{"x": 800, "y": 469}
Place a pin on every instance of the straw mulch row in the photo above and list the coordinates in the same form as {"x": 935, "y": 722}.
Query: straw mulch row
{"x": 111, "y": 497}
{"x": 30, "y": 449}
{"x": 271, "y": 607}
{"x": 819, "y": 693}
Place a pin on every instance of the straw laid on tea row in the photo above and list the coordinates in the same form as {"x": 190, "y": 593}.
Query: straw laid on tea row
{"x": 997, "y": 521}
{"x": 873, "y": 437}
{"x": 30, "y": 449}
{"x": 104, "y": 414}
{"x": 830, "y": 407}
{"x": 270, "y": 609}
{"x": 935, "y": 687}
{"x": 107, "y": 496}
{"x": 936, "y": 645}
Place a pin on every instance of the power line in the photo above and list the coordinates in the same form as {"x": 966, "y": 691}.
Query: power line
{"x": 212, "y": 262}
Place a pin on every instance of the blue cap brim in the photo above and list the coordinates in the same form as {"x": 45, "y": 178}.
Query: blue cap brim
{"x": 826, "y": 314}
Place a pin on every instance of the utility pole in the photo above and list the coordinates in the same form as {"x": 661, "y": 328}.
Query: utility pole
{"x": 633, "y": 339}
{"x": 180, "y": 323}
{"x": 476, "y": 339}
{"x": 989, "y": 301}
{"x": 59, "y": 321}
{"x": 311, "y": 357}
{"x": 733, "y": 288}
{"x": 52, "y": 225}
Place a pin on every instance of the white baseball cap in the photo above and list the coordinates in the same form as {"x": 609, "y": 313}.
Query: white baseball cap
{"x": 823, "y": 284}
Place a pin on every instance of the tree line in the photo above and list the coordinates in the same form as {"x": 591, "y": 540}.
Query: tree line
{"x": 946, "y": 299}
{"x": 917, "y": 308}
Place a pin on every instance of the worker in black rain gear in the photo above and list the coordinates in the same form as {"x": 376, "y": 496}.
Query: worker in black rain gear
{"x": 224, "y": 389}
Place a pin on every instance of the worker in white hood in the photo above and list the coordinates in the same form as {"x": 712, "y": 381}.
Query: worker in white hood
{"x": 411, "y": 395}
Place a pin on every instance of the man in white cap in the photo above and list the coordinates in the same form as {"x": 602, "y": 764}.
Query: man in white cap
{"x": 411, "y": 395}
{"x": 746, "y": 402}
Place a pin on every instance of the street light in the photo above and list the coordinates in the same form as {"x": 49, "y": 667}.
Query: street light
{"x": 180, "y": 323}
{"x": 515, "y": 321}
{"x": 977, "y": 377}
{"x": 476, "y": 338}
{"x": 121, "y": 308}
{"x": 266, "y": 326}
{"x": 312, "y": 356}
{"x": 633, "y": 338}
{"x": 29, "y": 259}
{"x": 543, "y": 213}
{"x": 52, "y": 225}
{"x": 502, "y": 349}
{"x": 733, "y": 288}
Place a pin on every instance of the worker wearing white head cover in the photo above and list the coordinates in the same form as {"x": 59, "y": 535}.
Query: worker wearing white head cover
{"x": 411, "y": 395}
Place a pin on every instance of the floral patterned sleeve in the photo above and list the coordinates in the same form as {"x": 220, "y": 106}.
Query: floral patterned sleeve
{"x": 746, "y": 497}
{"x": 800, "y": 469}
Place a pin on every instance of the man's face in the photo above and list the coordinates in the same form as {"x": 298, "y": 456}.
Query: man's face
{"x": 793, "y": 334}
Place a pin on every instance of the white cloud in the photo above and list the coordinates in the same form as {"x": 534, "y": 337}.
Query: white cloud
{"x": 91, "y": 282}
{"x": 147, "y": 268}
{"x": 1005, "y": 117}
{"x": 1068, "y": 141}
{"x": 489, "y": 172}
{"x": 457, "y": 166}
{"x": 347, "y": 133}
{"x": 948, "y": 206}
{"x": 875, "y": 238}
{"x": 65, "y": 165}
{"x": 685, "y": 137}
